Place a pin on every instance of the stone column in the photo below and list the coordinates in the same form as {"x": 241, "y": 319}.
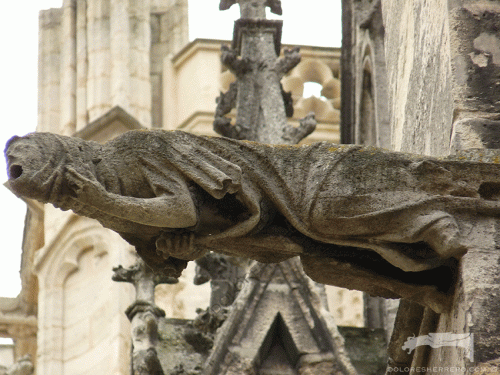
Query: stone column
{"x": 68, "y": 68}
{"x": 49, "y": 71}
{"x": 260, "y": 101}
{"x": 99, "y": 58}
{"x": 81, "y": 65}
{"x": 474, "y": 309}
{"x": 118, "y": 43}
{"x": 120, "y": 53}
{"x": 94, "y": 55}
{"x": 139, "y": 60}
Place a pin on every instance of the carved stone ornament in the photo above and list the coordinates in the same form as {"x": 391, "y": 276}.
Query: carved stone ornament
{"x": 387, "y": 214}
{"x": 259, "y": 5}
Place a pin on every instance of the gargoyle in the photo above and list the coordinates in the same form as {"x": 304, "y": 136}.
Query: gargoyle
{"x": 175, "y": 196}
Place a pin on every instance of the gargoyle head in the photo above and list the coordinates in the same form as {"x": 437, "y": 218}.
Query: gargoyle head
{"x": 25, "y": 163}
{"x": 36, "y": 165}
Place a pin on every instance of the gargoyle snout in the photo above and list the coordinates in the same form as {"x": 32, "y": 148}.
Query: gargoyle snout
{"x": 15, "y": 171}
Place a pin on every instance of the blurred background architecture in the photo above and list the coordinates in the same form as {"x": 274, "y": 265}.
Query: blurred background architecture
{"x": 106, "y": 67}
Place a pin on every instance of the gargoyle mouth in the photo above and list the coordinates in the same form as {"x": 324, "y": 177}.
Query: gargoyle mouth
{"x": 15, "y": 171}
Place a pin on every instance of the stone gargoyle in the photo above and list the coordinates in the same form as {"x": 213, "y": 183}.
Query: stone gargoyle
{"x": 359, "y": 217}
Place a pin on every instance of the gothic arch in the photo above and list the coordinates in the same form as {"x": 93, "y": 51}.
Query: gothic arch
{"x": 58, "y": 262}
{"x": 84, "y": 241}
{"x": 370, "y": 123}
{"x": 367, "y": 126}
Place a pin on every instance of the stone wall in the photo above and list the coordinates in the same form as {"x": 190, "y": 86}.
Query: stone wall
{"x": 443, "y": 66}
{"x": 418, "y": 58}
{"x": 443, "y": 63}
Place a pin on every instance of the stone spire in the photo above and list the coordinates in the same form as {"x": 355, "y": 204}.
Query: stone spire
{"x": 262, "y": 105}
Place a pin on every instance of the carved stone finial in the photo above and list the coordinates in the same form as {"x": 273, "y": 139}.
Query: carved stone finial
{"x": 253, "y": 8}
{"x": 143, "y": 278}
{"x": 143, "y": 315}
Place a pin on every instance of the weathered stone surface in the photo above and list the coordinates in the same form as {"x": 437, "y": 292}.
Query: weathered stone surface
{"x": 367, "y": 272}
{"x": 269, "y": 203}
{"x": 442, "y": 63}
{"x": 475, "y": 56}
{"x": 174, "y": 351}
{"x": 200, "y": 333}
{"x": 475, "y": 133}
{"x": 272, "y": 291}
{"x": 407, "y": 324}
{"x": 366, "y": 349}
{"x": 226, "y": 274}
{"x": 419, "y": 73}
{"x": 262, "y": 104}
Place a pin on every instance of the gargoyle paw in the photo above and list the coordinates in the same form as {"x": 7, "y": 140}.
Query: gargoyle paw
{"x": 178, "y": 245}
{"x": 76, "y": 181}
